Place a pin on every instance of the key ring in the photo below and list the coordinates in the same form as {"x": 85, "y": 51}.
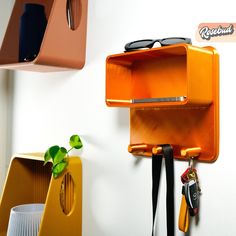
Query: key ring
{"x": 190, "y": 163}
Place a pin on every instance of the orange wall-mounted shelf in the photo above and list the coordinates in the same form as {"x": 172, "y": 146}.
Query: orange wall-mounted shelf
{"x": 62, "y": 48}
{"x": 173, "y": 93}
{"x": 29, "y": 181}
{"x": 173, "y": 75}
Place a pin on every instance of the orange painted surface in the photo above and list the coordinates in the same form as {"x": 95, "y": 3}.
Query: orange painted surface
{"x": 29, "y": 181}
{"x": 166, "y": 73}
{"x": 61, "y": 48}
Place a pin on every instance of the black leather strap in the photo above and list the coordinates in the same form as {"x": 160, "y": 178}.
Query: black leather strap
{"x": 156, "y": 173}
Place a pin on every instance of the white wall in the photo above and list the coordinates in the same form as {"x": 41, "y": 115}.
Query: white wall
{"x": 5, "y": 99}
{"x": 5, "y": 122}
{"x": 5, "y": 11}
{"x": 48, "y": 108}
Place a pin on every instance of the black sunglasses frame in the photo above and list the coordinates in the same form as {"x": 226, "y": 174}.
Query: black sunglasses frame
{"x": 150, "y": 44}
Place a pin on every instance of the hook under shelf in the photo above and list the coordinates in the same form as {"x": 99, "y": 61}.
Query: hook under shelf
{"x": 144, "y": 149}
{"x": 190, "y": 152}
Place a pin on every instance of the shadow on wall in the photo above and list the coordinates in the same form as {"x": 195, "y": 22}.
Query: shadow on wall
{"x": 123, "y": 118}
{"x": 6, "y": 84}
{"x": 5, "y": 12}
{"x": 99, "y": 39}
{"x": 90, "y": 226}
{"x": 6, "y": 91}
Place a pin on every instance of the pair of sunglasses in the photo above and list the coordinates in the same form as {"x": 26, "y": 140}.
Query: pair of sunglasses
{"x": 149, "y": 43}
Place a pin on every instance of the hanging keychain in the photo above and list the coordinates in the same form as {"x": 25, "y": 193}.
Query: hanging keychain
{"x": 190, "y": 196}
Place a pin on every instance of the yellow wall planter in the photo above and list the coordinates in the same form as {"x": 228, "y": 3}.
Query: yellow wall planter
{"x": 28, "y": 181}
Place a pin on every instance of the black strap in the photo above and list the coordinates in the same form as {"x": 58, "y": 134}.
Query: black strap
{"x": 156, "y": 173}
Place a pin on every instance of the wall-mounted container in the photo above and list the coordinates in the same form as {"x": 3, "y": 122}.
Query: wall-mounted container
{"x": 29, "y": 181}
{"x": 62, "y": 47}
{"x": 173, "y": 93}
{"x": 172, "y": 75}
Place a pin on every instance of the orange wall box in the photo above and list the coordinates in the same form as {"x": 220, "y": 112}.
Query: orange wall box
{"x": 29, "y": 181}
{"x": 62, "y": 48}
{"x": 173, "y": 96}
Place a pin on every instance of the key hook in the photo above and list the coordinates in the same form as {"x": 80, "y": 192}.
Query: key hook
{"x": 144, "y": 149}
{"x": 191, "y": 154}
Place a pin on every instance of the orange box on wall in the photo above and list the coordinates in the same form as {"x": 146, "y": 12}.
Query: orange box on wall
{"x": 173, "y": 93}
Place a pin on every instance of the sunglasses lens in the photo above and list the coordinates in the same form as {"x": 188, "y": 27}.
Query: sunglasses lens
{"x": 139, "y": 44}
{"x": 148, "y": 43}
{"x": 170, "y": 41}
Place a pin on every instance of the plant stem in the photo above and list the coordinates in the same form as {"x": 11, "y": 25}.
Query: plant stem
{"x": 69, "y": 150}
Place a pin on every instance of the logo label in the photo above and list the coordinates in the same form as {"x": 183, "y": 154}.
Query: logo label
{"x": 216, "y": 32}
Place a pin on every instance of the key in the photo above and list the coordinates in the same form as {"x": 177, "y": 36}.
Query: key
{"x": 192, "y": 195}
{"x": 191, "y": 189}
{"x": 189, "y": 173}
{"x": 192, "y": 175}
{"x": 184, "y": 176}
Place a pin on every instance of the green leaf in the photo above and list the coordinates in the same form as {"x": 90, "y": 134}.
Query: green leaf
{"x": 60, "y": 155}
{"x": 58, "y": 169}
{"x": 75, "y": 142}
{"x": 53, "y": 151}
{"x": 47, "y": 157}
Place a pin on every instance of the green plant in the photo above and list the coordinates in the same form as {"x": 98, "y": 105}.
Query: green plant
{"x": 59, "y": 155}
